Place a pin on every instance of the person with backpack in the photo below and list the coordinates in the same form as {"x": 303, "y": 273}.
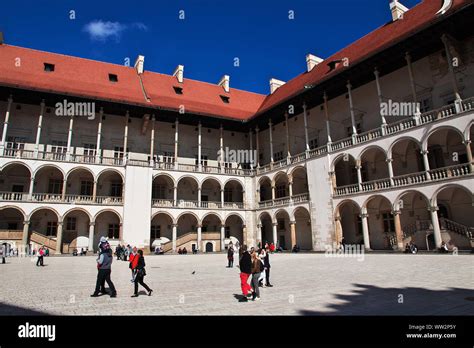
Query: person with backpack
{"x": 140, "y": 273}
{"x": 104, "y": 266}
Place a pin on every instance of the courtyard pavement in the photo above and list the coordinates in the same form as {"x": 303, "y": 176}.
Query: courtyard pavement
{"x": 304, "y": 284}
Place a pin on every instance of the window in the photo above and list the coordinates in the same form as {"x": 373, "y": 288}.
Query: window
{"x": 48, "y": 67}
{"x": 158, "y": 191}
{"x": 71, "y": 224}
{"x": 280, "y": 191}
{"x": 13, "y": 144}
{"x": 225, "y": 99}
{"x": 313, "y": 143}
{"x": 86, "y": 188}
{"x": 114, "y": 231}
{"x": 118, "y": 154}
{"x": 116, "y": 189}
{"x": 358, "y": 127}
{"x": 59, "y": 149}
{"x": 178, "y": 90}
{"x": 227, "y": 195}
{"x": 89, "y": 152}
{"x": 281, "y": 224}
{"x": 425, "y": 105}
{"x": 55, "y": 186}
{"x": 113, "y": 78}
{"x": 51, "y": 228}
{"x": 278, "y": 156}
{"x": 203, "y": 160}
{"x": 155, "y": 232}
{"x": 388, "y": 222}
{"x": 227, "y": 232}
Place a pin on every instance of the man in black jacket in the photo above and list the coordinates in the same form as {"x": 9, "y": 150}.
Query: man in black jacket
{"x": 245, "y": 264}
{"x": 266, "y": 265}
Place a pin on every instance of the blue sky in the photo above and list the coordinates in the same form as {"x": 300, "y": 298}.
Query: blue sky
{"x": 213, "y": 33}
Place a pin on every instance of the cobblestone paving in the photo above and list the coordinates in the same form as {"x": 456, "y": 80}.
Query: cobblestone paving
{"x": 304, "y": 284}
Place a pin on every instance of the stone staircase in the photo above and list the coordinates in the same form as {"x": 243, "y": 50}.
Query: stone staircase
{"x": 180, "y": 241}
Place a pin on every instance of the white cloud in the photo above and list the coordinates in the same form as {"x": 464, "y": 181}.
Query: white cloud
{"x": 99, "y": 30}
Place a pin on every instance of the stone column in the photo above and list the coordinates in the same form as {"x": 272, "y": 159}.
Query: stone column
{"x": 359, "y": 174}
{"x": 252, "y": 159}
{"x": 38, "y": 131}
{"x": 25, "y": 235}
{"x": 398, "y": 229}
{"x": 63, "y": 193}
{"x": 5, "y": 124}
{"x": 293, "y": 233}
{"x": 199, "y": 196}
{"x": 259, "y": 233}
{"x": 152, "y": 140}
{"x": 426, "y": 164}
{"x": 176, "y": 136}
{"x": 125, "y": 138}
{"x": 449, "y": 59}
{"x": 271, "y": 141}
{"x": 59, "y": 238}
{"x": 273, "y": 191}
{"x": 351, "y": 105}
{"x": 435, "y": 222}
{"x": 221, "y": 146}
{"x": 467, "y": 143}
{"x": 288, "y": 149}
{"x": 91, "y": 237}
{"x": 175, "y": 196}
{"x": 222, "y": 198}
{"x": 274, "y": 232}
{"x": 326, "y": 112}
{"x": 390, "y": 169}
{"x": 69, "y": 138}
{"x": 380, "y": 96}
{"x": 32, "y": 185}
{"x": 306, "y": 137}
{"x": 222, "y": 237}
{"x": 290, "y": 187}
{"x": 257, "y": 144}
{"x": 338, "y": 230}
{"x": 99, "y": 134}
{"x": 199, "y": 237}
{"x": 174, "y": 237}
{"x": 365, "y": 228}
{"x": 413, "y": 88}
{"x": 94, "y": 191}
{"x": 199, "y": 147}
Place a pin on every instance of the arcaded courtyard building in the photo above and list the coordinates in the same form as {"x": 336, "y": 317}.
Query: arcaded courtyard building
{"x": 370, "y": 146}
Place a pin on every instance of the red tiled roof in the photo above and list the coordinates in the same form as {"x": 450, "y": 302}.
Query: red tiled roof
{"x": 89, "y": 78}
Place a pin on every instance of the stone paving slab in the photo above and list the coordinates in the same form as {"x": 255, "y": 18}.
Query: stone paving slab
{"x": 308, "y": 284}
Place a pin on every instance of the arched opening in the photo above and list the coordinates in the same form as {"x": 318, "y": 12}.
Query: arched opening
{"x": 407, "y": 158}
{"x": 187, "y": 232}
{"x": 161, "y": 230}
{"x": 187, "y": 189}
{"x": 456, "y": 218}
{"x": 374, "y": 164}
{"x": 162, "y": 191}
{"x": 80, "y": 185}
{"x": 75, "y": 230}
{"x": 415, "y": 218}
{"x": 303, "y": 229}
{"x": 43, "y": 229}
{"x": 209, "y": 247}
{"x": 109, "y": 184}
{"x": 15, "y": 178}
{"x": 281, "y": 185}
{"x": 233, "y": 193}
{"x": 108, "y": 225}
{"x": 211, "y": 229}
{"x": 283, "y": 230}
{"x": 300, "y": 181}
{"x": 48, "y": 184}
{"x": 381, "y": 223}
{"x": 345, "y": 170}
{"x": 211, "y": 193}
{"x": 348, "y": 224}
{"x": 234, "y": 229}
{"x": 266, "y": 228}
{"x": 265, "y": 189}
{"x": 445, "y": 148}
{"x": 11, "y": 219}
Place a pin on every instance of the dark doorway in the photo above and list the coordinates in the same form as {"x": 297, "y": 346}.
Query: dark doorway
{"x": 209, "y": 247}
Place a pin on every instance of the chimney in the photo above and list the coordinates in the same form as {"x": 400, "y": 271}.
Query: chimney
{"x": 397, "y": 10}
{"x": 275, "y": 84}
{"x": 139, "y": 64}
{"x": 179, "y": 73}
{"x": 312, "y": 61}
{"x": 225, "y": 83}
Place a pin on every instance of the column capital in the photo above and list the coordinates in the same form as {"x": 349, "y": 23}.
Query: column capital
{"x": 408, "y": 57}
{"x": 101, "y": 110}
{"x": 26, "y": 222}
{"x": 466, "y": 142}
{"x": 433, "y": 208}
{"x": 389, "y": 160}
{"x": 337, "y": 218}
{"x": 292, "y": 222}
{"x": 424, "y": 152}
{"x": 376, "y": 72}
{"x": 304, "y": 106}
{"x": 10, "y": 98}
{"x": 174, "y": 225}
{"x": 92, "y": 223}
{"x": 60, "y": 223}
{"x": 270, "y": 122}
{"x": 257, "y": 129}
{"x": 396, "y": 212}
{"x": 153, "y": 118}
{"x": 348, "y": 85}
{"x": 274, "y": 224}
{"x": 364, "y": 215}
{"x": 199, "y": 225}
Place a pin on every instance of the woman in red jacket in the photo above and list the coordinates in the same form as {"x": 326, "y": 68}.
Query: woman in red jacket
{"x": 139, "y": 272}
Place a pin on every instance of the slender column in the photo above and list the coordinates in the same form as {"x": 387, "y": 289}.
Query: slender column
{"x": 174, "y": 235}
{"x": 290, "y": 187}
{"x": 24, "y": 238}
{"x": 199, "y": 236}
{"x": 390, "y": 169}
{"x": 125, "y": 138}
{"x": 91, "y": 237}
{"x": 293, "y": 233}
{"x": 273, "y": 191}
{"x": 452, "y": 73}
{"x": 199, "y": 147}
{"x": 5, "y": 124}
{"x": 271, "y": 140}
{"x": 32, "y": 185}
{"x": 351, "y": 105}
{"x": 152, "y": 140}
{"x": 38, "y": 131}
{"x": 413, "y": 88}
{"x": 175, "y": 196}
{"x": 365, "y": 228}
{"x": 252, "y": 159}
{"x": 63, "y": 193}
{"x": 94, "y": 191}
{"x": 199, "y": 196}
{"x": 59, "y": 238}
{"x": 305, "y": 120}
{"x": 222, "y": 237}
{"x": 176, "y": 133}
{"x": 69, "y": 138}
{"x": 467, "y": 143}
{"x": 435, "y": 223}
{"x": 221, "y": 145}
{"x": 426, "y": 164}
{"x": 328, "y": 128}
{"x": 359, "y": 174}
{"x": 338, "y": 230}
{"x": 379, "y": 93}
{"x": 222, "y": 198}
{"x": 287, "y": 129}
{"x": 274, "y": 231}
{"x": 257, "y": 144}
{"x": 99, "y": 136}
{"x": 398, "y": 229}
{"x": 259, "y": 233}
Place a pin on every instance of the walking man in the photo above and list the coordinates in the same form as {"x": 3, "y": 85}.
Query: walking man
{"x": 230, "y": 256}
{"x": 266, "y": 265}
{"x": 104, "y": 265}
{"x": 245, "y": 264}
